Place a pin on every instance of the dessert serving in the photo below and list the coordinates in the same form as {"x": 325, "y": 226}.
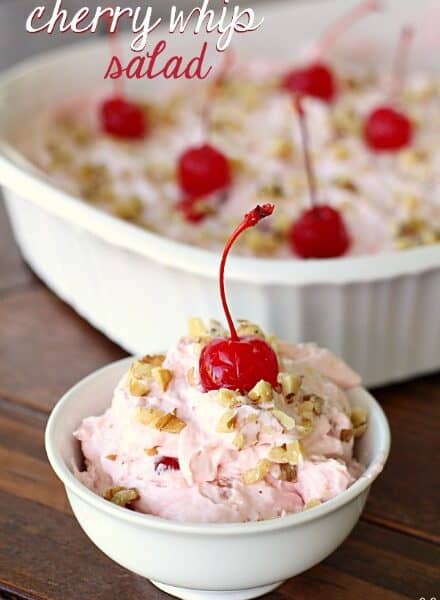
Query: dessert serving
{"x": 235, "y": 448}
{"x": 187, "y": 161}
{"x": 226, "y": 427}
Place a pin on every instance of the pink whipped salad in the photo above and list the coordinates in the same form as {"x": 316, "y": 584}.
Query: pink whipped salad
{"x": 167, "y": 448}
{"x": 388, "y": 201}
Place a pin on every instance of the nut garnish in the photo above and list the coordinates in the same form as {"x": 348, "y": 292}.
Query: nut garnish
{"x": 238, "y": 441}
{"x": 155, "y": 360}
{"x": 312, "y": 503}
{"x": 346, "y": 435}
{"x": 286, "y": 421}
{"x": 121, "y": 496}
{"x": 288, "y": 472}
{"x": 140, "y": 370}
{"x": 227, "y": 422}
{"x": 196, "y": 328}
{"x": 138, "y": 387}
{"x": 151, "y": 451}
{"x": 162, "y": 377}
{"x": 261, "y": 392}
{"x": 258, "y": 473}
{"x": 290, "y": 384}
{"x": 227, "y": 398}
{"x": 154, "y": 417}
{"x": 358, "y": 416}
{"x": 287, "y": 453}
{"x": 111, "y": 456}
{"x": 129, "y": 208}
{"x": 191, "y": 376}
{"x": 247, "y": 328}
{"x": 345, "y": 183}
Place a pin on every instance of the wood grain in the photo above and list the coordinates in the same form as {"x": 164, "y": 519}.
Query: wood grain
{"x": 13, "y": 271}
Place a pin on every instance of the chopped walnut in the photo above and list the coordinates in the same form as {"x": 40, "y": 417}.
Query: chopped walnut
{"x": 111, "y": 457}
{"x": 138, "y": 387}
{"x": 140, "y": 370}
{"x": 238, "y": 441}
{"x": 261, "y": 392}
{"x": 288, "y": 472}
{"x": 345, "y": 183}
{"x": 129, "y": 208}
{"x": 284, "y": 419}
{"x": 358, "y": 416}
{"x": 247, "y": 328}
{"x": 287, "y": 453}
{"x": 227, "y": 422}
{"x": 312, "y": 503}
{"x": 196, "y": 328}
{"x": 346, "y": 435}
{"x": 151, "y": 451}
{"x": 360, "y": 430}
{"x": 154, "y": 417}
{"x": 282, "y": 149}
{"x": 162, "y": 377}
{"x": 121, "y": 496}
{"x": 228, "y": 398}
{"x": 258, "y": 473}
{"x": 154, "y": 360}
{"x": 290, "y": 385}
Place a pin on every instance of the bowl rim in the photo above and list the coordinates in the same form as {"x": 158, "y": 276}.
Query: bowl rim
{"x": 74, "y": 486}
{"x": 26, "y": 180}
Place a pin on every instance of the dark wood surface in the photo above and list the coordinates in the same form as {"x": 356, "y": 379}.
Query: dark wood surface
{"x": 45, "y": 348}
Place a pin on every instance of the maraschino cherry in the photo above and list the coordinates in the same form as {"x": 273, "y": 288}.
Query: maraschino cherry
{"x": 121, "y": 117}
{"x": 204, "y": 169}
{"x": 238, "y": 363}
{"x": 386, "y": 128}
{"x": 320, "y": 231}
{"x": 166, "y": 463}
{"x": 318, "y": 79}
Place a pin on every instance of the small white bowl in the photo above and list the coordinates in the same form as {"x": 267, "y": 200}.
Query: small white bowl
{"x": 193, "y": 561}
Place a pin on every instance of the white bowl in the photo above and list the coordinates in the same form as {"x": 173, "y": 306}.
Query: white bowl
{"x": 194, "y": 561}
{"x": 379, "y": 312}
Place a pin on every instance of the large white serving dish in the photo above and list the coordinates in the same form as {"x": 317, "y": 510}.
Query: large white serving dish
{"x": 381, "y": 313}
{"x": 207, "y": 561}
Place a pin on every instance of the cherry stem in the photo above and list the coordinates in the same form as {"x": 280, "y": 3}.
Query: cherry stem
{"x": 400, "y": 61}
{"x": 219, "y": 78}
{"x": 250, "y": 219}
{"x": 115, "y": 50}
{"x": 334, "y": 31}
{"x": 311, "y": 179}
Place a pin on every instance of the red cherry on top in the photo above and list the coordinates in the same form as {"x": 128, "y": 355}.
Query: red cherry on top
{"x": 320, "y": 231}
{"x": 316, "y": 80}
{"x": 203, "y": 170}
{"x": 387, "y": 129}
{"x": 123, "y": 119}
{"x": 238, "y": 363}
{"x": 192, "y": 210}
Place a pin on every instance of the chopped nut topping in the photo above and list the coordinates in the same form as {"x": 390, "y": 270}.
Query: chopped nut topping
{"x": 287, "y": 453}
{"x": 346, "y": 435}
{"x": 191, "y": 376}
{"x": 258, "y": 473}
{"x": 140, "y": 370}
{"x": 111, "y": 456}
{"x": 312, "y": 503}
{"x": 227, "y": 398}
{"x": 155, "y": 360}
{"x": 286, "y": 421}
{"x": 227, "y": 422}
{"x": 154, "y": 417}
{"x": 138, "y": 387}
{"x": 238, "y": 441}
{"x": 290, "y": 384}
{"x": 129, "y": 208}
{"x": 271, "y": 189}
{"x": 162, "y": 377}
{"x": 340, "y": 151}
{"x": 247, "y": 328}
{"x": 288, "y": 472}
{"x": 345, "y": 183}
{"x": 360, "y": 430}
{"x": 196, "y": 328}
{"x": 253, "y": 418}
{"x": 282, "y": 149}
{"x": 121, "y": 496}
{"x": 261, "y": 392}
{"x": 358, "y": 416}
{"x": 151, "y": 451}
{"x": 262, "y": 243}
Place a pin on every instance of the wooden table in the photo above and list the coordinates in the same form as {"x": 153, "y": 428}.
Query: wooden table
{"x": 45, "y": 348}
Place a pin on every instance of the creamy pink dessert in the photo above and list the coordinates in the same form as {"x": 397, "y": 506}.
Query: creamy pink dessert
{"x": 167, "y": 447}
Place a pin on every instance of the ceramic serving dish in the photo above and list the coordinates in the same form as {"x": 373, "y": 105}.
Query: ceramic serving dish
{"x": 379, "y": 312}
{"x": 207, "y": 561}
